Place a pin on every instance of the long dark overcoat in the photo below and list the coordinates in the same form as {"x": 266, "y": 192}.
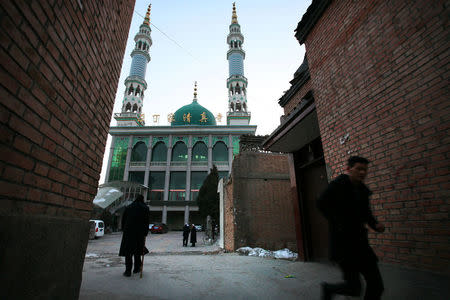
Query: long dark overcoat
{"x": 186, "y": 232}
{"x": 193, "y": 235}
{"x": 135, "y": 223}
{"x": 347, "y": 209}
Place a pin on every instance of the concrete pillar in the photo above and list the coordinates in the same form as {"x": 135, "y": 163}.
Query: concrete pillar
{"x": 188, "y": 180}
{"x": 127, "y": 163}
{"x": 188, "y": 175}
{"x": 230, "y": 151}
{"x": 210, "y": 162}
{"x": 221, "y": 213}
{"x": 186, "y": 214}
{"x": 147, "y": 165}
{"x": 167, "y": 179}
{"x": 164, "y": 215}
{"x": 111, "y": 153}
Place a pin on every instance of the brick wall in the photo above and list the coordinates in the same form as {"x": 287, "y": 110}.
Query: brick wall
{"x": 258, "y": 202}
{"x": 60, "y": 64}
{"x": 380, "y": 73}
{"x": 229, "y": 225}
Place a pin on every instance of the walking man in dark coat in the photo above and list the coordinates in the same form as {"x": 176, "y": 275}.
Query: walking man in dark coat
{"x": 135, "y": 223}
{"x": 345, "y": 203}
{"x": 185, "y": 234}
{"x": 193, "y": 235}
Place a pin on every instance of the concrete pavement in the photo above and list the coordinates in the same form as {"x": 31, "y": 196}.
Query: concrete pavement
{"x": 175, "y": 272}
{"x": 171, "y": 242}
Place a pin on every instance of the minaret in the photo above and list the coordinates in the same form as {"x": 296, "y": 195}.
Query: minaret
{"x": 135, "y": 84}
{"x": 236, "y": 83}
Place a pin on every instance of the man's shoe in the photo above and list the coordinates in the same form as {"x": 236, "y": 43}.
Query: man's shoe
{"x": 325, "y": 291}
{"x": 136, "y": 271}
{"x": 127, "y": 273}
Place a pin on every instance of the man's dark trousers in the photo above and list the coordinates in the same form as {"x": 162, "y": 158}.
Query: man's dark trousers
{"x": 352, "y": 284}
{"x": 129, "y": 263}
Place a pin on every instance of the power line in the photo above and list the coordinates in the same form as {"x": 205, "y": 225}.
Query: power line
{"x": 171, "y": 39}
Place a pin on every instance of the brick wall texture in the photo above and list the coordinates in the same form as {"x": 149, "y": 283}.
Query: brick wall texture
{"x": 229, "y": 223}
{"x": 258, "y": 203}
{"x": 380, "y": 73}
{"x": 60, "y": 64}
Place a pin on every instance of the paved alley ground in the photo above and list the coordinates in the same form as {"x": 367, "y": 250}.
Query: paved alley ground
{"x": 175, "y": 272}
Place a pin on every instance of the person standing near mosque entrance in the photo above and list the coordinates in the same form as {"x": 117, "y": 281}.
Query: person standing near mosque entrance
{"x": 193, "y": 235}
{"x": 186, "y": 230}
{"x": 135, "y": 223}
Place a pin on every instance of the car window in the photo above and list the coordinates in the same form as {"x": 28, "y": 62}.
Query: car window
{"x": 100, "y": 225}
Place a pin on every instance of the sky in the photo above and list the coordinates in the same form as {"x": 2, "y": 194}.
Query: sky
{"x": 189, "y": 44}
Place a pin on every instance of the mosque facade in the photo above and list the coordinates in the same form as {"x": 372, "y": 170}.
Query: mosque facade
{"x": 173, "y": 161}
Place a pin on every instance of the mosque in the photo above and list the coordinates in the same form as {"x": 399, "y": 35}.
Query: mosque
{"x": 171, "y": 162}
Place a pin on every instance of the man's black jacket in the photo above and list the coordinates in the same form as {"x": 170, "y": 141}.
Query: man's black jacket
{"x": 135, "y": 221}
{"x": 347, "y": 209}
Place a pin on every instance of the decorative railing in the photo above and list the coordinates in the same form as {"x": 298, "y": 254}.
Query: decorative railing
{"x": 199, "y": 163}
{"x": 137, "y": 163}
{"x": 220, "y": 163}
{"x": 239, "y": 113}
{"x": 158, "y": 163}
{"x": 126, "y": 115}
{"x": 178, "y": 163}
{"x": 252, "y": 143}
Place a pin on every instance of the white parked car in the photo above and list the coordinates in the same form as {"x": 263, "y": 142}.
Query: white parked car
{"x": 99, "y": 227}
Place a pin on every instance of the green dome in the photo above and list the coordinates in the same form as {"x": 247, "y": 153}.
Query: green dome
{"x": 197, "y": 113}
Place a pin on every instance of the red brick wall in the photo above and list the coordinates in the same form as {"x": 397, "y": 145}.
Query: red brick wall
{"x": 380, "y": 73}
{"x": 259, "y": 203}
{"x": 60, "y": 63}
{"x": 229, "y": 226}
{"x": 60, "y": 66}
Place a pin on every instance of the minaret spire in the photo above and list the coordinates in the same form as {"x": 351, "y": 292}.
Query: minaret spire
{"x": 147, "y": 15}
{"x": 135, "y": 84}
{"x": 234, "y": 16}
{"x": 195, "y": 92}
{"x": 236, "y": 82}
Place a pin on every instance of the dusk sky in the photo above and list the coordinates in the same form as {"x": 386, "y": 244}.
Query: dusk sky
{"x": 189, "y": 44}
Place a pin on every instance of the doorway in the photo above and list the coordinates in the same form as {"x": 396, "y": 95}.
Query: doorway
{"x": 311, "y": 181}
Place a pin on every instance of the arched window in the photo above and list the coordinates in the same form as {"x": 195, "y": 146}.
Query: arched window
{"x": 179, "y": 152}
{"x": 138, "y": 91}
{"x": 200, "y": 152}
{"x": 130, "y": 90}
{"x": 159, "y": 152}
{"x": 135, "y": 108}
{"x": 220, "y": 152}
{"x": 140, "y": 45}
{"x": 139, "y": 152}
{"x": 128, "y": 107}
